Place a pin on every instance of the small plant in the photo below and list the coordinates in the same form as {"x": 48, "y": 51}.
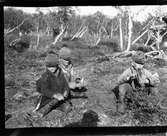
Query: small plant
{"x": 142, "y": 106}
{"x": 141, "y": 47}
{"x": 20, "y": 44}
{"x": 9, "y": 38}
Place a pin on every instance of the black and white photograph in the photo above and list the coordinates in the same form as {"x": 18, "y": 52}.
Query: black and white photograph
{"x": 85, "y": 66}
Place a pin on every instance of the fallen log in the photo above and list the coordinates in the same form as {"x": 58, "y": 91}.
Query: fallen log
{"x": 156, "y": 54}
{"x": 124, "y": 54}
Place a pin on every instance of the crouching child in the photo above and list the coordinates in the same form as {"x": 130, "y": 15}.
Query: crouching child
{"x": 135, "y": 78}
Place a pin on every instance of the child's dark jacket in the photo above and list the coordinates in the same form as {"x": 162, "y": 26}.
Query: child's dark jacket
{"x": 50, "y": 84}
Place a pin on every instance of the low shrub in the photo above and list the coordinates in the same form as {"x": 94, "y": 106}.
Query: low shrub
{"x": 141, "y": 47}
{"x": 110, "y": 45}
{"x": 160, "y": 62}
{"x": 75, "y": 44}
{"x": 142, "y": 105}
{"x": 9, "y": 38}
{"x": 102, "y": 59}
{"x": 21, "y": 44}
{"x": 44, "y": 41}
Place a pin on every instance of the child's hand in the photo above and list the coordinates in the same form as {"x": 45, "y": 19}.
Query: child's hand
{"x": 72, "y": 85}
{"x": 155, "y": 78}
{"x": 147, "y": 81}
{"x": 79, "y": 83}
{"x": 58, "y": 96}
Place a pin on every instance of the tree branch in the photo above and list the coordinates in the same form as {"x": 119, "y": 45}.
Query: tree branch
{"x": 139, "y": 37}
{"x": 58, "y": 37}
{"x": 11, "y": 30}
{"x": 164, "y": 34}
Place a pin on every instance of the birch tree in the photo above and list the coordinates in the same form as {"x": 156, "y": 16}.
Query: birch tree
{"x": 120, "y": 14}
{"x": 63, "y": 16}
{"x": 39, "y": 15}
{"x": 130, "y": 26}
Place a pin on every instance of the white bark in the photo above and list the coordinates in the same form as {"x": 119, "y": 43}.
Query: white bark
{"x": 158, "y": 39}
{"x": 59, "y": 36}
{"x": 152, "y": 46}
{"x": 130, "y": 25}
{"x": 37, "y": 37}
{"x": 79, "y": 32}
{"x": 38, "y": 40}
{"x": 147, "y": 39}
{"x": 83, "y": 33}
{"x": 111, "y": 32}
{"x": 98, "y": 40}
{"x": 120, "y": 31}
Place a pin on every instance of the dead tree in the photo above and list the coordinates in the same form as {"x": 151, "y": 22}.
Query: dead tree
{"x": 130, "y": 25}
{"x": 120, "y": 32}
{"x": 10, "y": 30}
{"x": 153, "y": 31}
{"x": 62, "y": 30}
{"x": 56, "y": 31}
{"x": 80, "y": 32}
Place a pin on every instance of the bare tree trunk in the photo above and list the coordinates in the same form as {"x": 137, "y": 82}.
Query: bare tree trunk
{"x": 98, "y": 40}
{"x": 120, "y": 31}
{"x": 48, "y": 30}
{"x": 130, "y": 25}
{"x": 158, "y": 39}
{"x": 148, "y": 39}
{"x": 79, "y": 32}
{"x": 37, "y": 37}
{"x": 111, "y": 32}
{"x": 37, "y": 41}
{"x": 83, "y": 33}
{"x": 59, "y": 36}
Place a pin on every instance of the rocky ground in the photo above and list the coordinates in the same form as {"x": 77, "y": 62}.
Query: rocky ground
{"x": 101, "y": 74}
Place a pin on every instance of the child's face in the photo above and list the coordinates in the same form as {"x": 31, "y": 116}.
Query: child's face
{"x": 52, "y": 69}
{"x": 65, "y": 63}
{"x": 137, "y": 66}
